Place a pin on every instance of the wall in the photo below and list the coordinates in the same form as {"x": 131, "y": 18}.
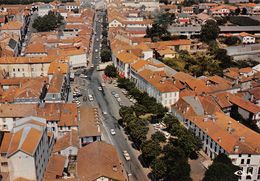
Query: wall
{"x": 21, "y": 165}
{"x": 78, "y": 60}
{"x": 26, "y": 70}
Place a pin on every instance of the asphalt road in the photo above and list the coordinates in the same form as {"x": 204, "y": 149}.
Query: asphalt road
{"x": 132, "y": 167}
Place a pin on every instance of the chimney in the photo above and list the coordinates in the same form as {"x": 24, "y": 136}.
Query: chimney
{"x": 229, "y": 129}
{"x": 27, "y": 92}
{"x": 242, "y": 139}
{"x": 236, "y": 148}
{"x": 115, "y": 168}
{"x": 219, "y": 139}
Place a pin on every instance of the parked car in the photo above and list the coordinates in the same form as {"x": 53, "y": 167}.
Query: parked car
{"x": 126, "y": 155}
{"x": 112, "y": 131}
{"x": 100, "y": 88}
{"x": 90, "y": 97}
{"x": 116, "y": 95}
{"x": 113, "y": 93}
{"x": 83, "y": 76}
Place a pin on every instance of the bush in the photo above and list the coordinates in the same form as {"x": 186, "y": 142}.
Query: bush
{"x": 49, "y": 22}
{"x": 232, "y": 40}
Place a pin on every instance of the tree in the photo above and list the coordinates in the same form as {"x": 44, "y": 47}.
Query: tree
{"x": 158, "y": 137}
{"x": 110, "y": 71}
{"x": 209, "y": 31}
{"x": 186, "y": 140}
{"x": 105, "y": 55}
{"x": 164, "y": 19}
{"x": 159, "y": 168}
{"x": 221, "y": 20}
{"x": 150, "y": 150}
{"x": 221, "y": 169}
{"x": 237, "y": 11}
{"x": 225, "y": 60}
{"x": 138, "y": 131}
{"x": 177, "y": 163}
{"x": 139, "y": 110}
{"x": 48, "y": 22}
{"x": 123, "y": 111}
{"x": 232, "y": 40}
{"x": 244, "y": 11}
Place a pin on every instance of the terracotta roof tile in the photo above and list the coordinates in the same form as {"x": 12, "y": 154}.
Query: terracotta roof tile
{"x": 101, "y": 160}
{"x": 229, "y": 133}
{"x": 89, "y": 122}
{"x": 55, "y": 167}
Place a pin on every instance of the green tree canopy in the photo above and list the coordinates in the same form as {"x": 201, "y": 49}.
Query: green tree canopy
{"x": 221, "y": 169}
{"x": 150, "y": 150}
{"x": 158, "y": 137}
{"x": 48, "y": 22}
{"x": 209, "y": 31}
{"x": 110, "y": 71}
{"x": 232, "y": 40}
{"x": 159, "y": 168}
{"x": 138, "y": 131}
{"x": 105, "y": 55}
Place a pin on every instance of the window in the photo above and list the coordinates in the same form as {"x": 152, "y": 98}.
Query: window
{"x": 32, "y": 69}
{"x": 249, "y": 170}
{"x": 249, "y": 155}
{"x": 13, "y": 69}
{"x": 242, "y": 161}
{"x": 4, "y": 164}
{"x": 248, "y": 161}
{"x": 239, "y": 155}
{"x": 18, "y": 70}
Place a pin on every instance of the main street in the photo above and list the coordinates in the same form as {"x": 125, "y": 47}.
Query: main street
{"x": 133, "y": 167}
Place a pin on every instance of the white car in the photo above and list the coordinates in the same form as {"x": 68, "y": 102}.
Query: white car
{"x": 126, "y": 155}
{"x": 103, "y": 84}
{"x": 92, "y": 66}
{"x": 100, "y": 88}
{"x": 96, "y": 50}
{"x": 83, "y": 76}
{"x": 112, "y": 131}
{"x": 105, "y": 113}
{"x": 116, "y": 95}
{"x": 119, "y": 99}
{"x": 90, "y": 97}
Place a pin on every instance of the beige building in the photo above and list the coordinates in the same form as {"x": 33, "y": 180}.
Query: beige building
{"x": 27, "y": 66}
{"x": 25, "y": 151}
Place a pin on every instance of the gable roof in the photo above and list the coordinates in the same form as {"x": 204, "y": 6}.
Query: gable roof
{"x": 100, "y": 160}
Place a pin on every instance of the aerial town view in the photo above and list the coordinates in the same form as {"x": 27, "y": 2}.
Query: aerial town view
{"x": 130, "y": 90}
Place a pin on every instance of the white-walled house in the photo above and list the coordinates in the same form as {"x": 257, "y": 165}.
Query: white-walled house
{"x": 27, "y": 149}
{"x": 221, "y": 134}
{"x": 158, "y": 86}
{"x": 27, "y": 66}
{"x": 122, "y": 62}
{"x": 246, "y": 38}
{"x": 67, "y": 146}
{"x": 12, "y": 112}
{"x": 43, "y": 9}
